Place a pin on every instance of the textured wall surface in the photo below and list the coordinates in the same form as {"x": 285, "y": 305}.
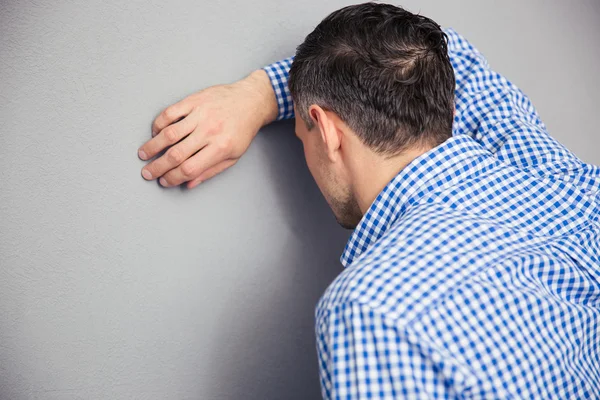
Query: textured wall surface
{"x": 112, "y": 287}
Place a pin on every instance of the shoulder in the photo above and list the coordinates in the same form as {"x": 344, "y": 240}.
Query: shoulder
{"x": 407, "y": 268}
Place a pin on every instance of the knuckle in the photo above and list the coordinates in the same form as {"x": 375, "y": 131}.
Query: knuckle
{"x": 188, "y": 170}
{"x": 225, "y": 145}
{"x": 170, "y": 134}
{"x": 215, "y": 128}
{"x": 209, "y": 132}
{"x": 169, "y": 112}
{"x": 175, "y": 156}
{"x": 195, "y": 108}
{"x": 235, "y": 153}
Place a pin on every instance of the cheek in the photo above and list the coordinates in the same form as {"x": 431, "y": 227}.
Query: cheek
{"x": 315, "y": 166}
{"x": 312, "y": 161}
{"x": 309, "y": 156}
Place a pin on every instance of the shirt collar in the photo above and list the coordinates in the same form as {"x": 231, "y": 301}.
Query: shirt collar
{"x": 439, "y": 167}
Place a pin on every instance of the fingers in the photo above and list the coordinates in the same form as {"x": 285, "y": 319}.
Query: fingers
{"x": 175, "y": 156}
{"x": 194, "y": 166}
{"x": 171, "y": 114}
{"x": 167, "y": 137}
{"x": 209, "y": 173}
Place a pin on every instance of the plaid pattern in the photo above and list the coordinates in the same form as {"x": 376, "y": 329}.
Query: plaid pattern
{"x": 475, "y": 273}
{"x": 278, "y": 73}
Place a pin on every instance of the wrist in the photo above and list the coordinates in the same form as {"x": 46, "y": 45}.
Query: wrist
{"x": 259, "y": 84}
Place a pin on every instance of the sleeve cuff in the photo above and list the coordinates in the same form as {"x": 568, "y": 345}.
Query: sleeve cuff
{"x": 278, "y": 73}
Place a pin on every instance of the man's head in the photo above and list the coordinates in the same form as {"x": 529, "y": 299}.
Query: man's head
{"x": 372, "y": 80}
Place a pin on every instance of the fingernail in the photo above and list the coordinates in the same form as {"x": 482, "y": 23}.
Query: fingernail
{"x": 142, "y": 154}
{"x": 146, "y": 174}
{"x": 163, "y": 182}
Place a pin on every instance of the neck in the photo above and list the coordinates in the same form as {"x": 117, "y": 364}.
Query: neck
{"x": 373, "y": 172}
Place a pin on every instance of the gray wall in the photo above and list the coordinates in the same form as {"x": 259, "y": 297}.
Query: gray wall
{"x": 114, "y": 288}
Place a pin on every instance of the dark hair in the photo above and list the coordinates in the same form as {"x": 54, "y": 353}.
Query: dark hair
{"x": 383, "y": 70}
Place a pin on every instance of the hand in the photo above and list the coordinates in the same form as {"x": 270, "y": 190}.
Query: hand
{"x": 217, "y": 125}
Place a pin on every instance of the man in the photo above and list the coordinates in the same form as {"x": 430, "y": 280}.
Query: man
{"x": 474, "y": 268}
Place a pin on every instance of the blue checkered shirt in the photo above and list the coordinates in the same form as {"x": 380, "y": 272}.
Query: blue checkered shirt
{"x": 475, "y": 273}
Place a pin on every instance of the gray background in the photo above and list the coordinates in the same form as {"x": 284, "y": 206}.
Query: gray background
{"x": 114, "y": 288}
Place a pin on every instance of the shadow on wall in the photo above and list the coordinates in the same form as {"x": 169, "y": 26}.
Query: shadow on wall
{"x": 274, "y": 355}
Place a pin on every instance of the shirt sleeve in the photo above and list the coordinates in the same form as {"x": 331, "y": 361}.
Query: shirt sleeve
{"x": 490, "y": 109}
{"x": 279, "y": 73}
{"x": 362, "y": 357}
{"x": 501, "y": 118}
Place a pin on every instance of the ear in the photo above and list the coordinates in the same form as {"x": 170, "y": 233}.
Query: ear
{"x": 330, "y": 134}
